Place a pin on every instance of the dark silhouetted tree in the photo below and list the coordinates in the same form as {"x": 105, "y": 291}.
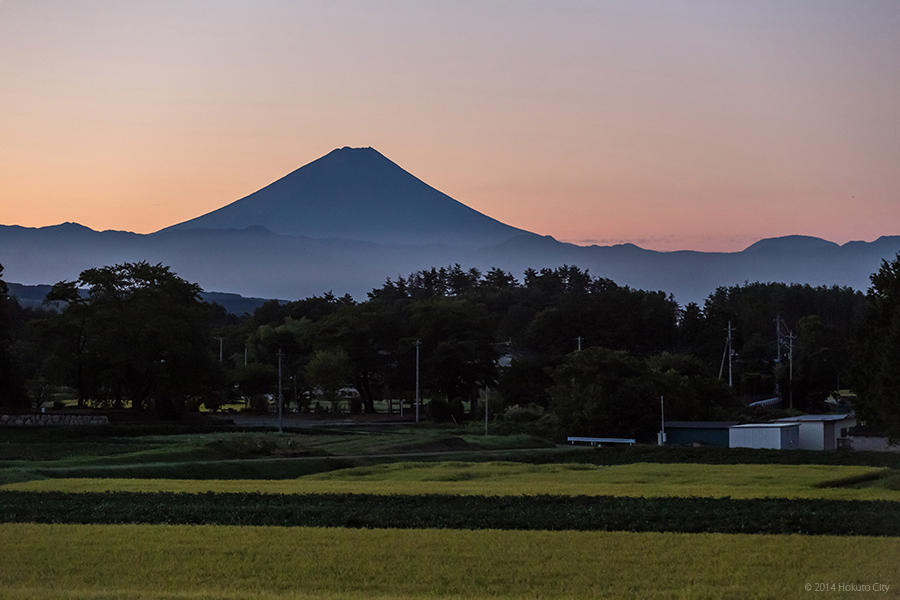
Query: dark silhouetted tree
{"x": 141, "y": 335}
{"x": 328, "y": 370}
{"x": 12, "y": 389}
{"x": 877, "y": 358}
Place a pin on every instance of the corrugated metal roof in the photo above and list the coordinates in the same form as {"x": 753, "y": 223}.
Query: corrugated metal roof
{"x": 814, "y": 418}
{"x": 700, "y": 424}
{"x": 758, "y": 425}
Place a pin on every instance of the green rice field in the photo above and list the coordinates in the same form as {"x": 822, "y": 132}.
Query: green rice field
{"x": 219, "y": 562}
{"x": 566, "y": 542}
{"x": 508, "y": 478}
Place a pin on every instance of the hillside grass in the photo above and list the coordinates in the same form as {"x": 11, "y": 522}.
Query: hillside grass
{"x": 68, "y": 447}
{"x": 211, "y": 451}
{"x": 263, "y": 563}
{"x": 513, "y": 479}
{"x": 151, "y": 451}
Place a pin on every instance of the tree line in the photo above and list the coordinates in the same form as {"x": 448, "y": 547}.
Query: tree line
{"x": 575, "y": 351}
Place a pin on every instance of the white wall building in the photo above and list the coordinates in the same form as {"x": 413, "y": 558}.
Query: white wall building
{"x": 821, "y": 432}
{"x": 779, "y": 436}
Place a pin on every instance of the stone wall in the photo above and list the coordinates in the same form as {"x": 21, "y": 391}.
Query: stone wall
{"x": 42, "y": 419}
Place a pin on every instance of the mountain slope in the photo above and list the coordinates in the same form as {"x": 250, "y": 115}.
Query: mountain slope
{"x": 357, "y": 194}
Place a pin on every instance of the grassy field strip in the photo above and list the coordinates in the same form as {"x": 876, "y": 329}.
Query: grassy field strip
{"x": 141, "y": 561}
{"x": 29, "y": 448}
{"x": 502, "y": 478}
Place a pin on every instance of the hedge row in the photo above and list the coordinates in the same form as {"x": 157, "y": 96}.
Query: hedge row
{"x": 692, "y": 515}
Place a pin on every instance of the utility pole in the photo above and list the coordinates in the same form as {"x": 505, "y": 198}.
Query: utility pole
{"x": 662, "y": 421}
{"x": 578, "y": 339}
{"x": 418, "y": 343}
{"x": 791, "y": 368}
{"x": 778, "y": 353}
{"x": 280, "y": 398}
{"x": 728, "y": 353}
{"x": 485, "y": 410}
{"x": 785, "y": 337}
{"x": 245, "y": 355}
{"x": 221, "y": 342}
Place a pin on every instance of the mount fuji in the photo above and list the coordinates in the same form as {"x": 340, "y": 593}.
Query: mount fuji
{"x": 357, "y": 194}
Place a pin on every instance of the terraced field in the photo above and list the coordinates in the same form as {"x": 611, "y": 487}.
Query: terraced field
{"x": 509, "y": 478}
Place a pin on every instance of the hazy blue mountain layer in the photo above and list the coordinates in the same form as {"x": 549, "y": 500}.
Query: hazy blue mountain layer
{"x": 256, "y": 262}
{"x": 351, "y": 218}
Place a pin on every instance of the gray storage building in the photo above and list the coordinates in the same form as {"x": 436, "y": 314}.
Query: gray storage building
{"x": 779, "y": 436}
{"x": 821, "y": 432}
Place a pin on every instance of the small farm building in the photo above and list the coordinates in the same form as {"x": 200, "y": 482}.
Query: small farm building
{"x": 698, "y": 433}
{"x": 821, "y": 432}
{"x": 779, "y": 436}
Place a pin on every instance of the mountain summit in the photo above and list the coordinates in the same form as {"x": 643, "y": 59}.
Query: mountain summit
{"x": 357, "y": 194}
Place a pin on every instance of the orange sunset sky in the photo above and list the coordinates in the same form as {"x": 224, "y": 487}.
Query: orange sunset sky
{"x": 703, "y": 124}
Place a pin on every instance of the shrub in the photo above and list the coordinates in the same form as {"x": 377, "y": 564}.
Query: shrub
{"x": 523, "y": 414}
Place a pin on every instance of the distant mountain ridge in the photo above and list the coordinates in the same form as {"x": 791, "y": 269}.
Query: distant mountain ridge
{"x": 792, "y": 243}
{"x": 258, "y": 263}
{"x": 348, "y": 220}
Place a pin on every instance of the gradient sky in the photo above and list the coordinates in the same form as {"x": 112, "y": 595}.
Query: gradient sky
{"x": 670, "y": 124}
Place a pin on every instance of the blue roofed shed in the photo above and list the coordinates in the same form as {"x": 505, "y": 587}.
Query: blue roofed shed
{"x": 698, "y": 433}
